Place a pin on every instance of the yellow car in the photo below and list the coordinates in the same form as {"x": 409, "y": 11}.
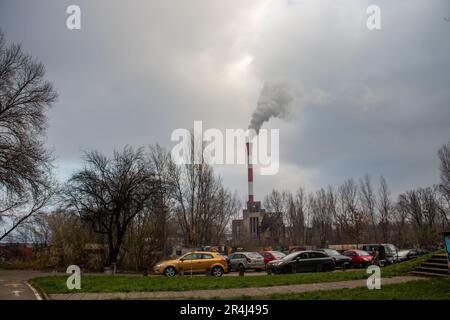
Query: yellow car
{"x": 193, "y": 262}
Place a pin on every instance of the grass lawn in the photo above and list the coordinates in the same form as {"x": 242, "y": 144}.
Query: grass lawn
{"x": 434, "y": 289}
{"x": 101, "y": 283}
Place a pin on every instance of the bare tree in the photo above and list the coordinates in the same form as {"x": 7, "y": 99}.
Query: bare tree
{"x": 444, "y": 210}
{"x": 296, "y": 217}
{"x": 350, "y": 218}
{"x": 147, "y": 235}
{"x": 109, "y": 193}
{"x": 203, "y": 206}
{"x": 401, "y": 222}
{"x": 368, "y": 203}
{"x": 444, "y": 157}
{"x": 163, "y": 166}
{"x": 331, "y": 203}
{"x": 322, "y": 217}
{"x": 277, "y": 207}
{"x": 25, "y": 165}
{"x": 276, "y": 201}
{"x": 385, "y": 208}
{"x": 35, "y": 230}
{"x": 423, "y": 209}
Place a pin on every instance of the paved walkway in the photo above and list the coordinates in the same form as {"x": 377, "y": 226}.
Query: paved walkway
{"x": 14, "y": 285}
{"x": 228, "y": 293}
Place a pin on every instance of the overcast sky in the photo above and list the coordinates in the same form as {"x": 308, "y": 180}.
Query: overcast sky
{"x": 137, "y": 70}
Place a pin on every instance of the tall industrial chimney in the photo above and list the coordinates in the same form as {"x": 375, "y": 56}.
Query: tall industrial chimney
{"x": 250, "y": 175}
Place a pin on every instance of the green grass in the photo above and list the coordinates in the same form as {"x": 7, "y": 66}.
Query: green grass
{"x": 101, "y": 283}
{"x": 435, "y": 289}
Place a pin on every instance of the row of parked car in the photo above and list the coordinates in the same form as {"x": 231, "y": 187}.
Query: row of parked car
{"x": 300, "y": 261}
{"x": 275, "y": 262}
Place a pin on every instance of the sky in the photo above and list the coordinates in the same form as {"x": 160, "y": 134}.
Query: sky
{"x": 138, "y": 70}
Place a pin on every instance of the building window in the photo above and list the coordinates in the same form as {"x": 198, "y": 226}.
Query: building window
{"x": 254, "y": 224}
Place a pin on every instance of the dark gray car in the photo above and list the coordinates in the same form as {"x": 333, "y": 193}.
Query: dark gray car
{"x": 342, "y": 261}
{"x": 302, "y": 261}
{"x": 247, "y": 260}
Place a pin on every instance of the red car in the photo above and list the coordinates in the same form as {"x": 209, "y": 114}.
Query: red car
{"x": 272, "y": 255}
{"x": 359, "y": 258}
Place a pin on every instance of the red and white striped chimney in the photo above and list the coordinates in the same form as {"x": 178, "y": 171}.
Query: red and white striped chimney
{"x": 250, "y": 175}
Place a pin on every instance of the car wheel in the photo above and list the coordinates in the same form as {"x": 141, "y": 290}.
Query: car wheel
{"x": 217, "y": 271}
{"x": 170, "y": 271}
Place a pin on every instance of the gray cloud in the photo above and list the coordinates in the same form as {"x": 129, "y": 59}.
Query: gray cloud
{"x": 138, "y": 70}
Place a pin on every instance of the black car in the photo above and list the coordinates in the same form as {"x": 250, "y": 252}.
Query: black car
{"x": 342, "y": 262}
{"x": 302, "y": 261}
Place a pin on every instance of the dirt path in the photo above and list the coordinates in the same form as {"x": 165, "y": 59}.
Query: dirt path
{"x": 228, "y": 293}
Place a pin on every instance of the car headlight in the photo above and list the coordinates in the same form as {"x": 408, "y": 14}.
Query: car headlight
{"x": 159, "y": 265}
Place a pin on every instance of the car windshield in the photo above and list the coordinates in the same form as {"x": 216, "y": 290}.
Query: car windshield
{"x": 391, "y": 248}
{"x": 331, "y": 252}
{"x": 290, "y": 256}
{"x": 362, "y": 253}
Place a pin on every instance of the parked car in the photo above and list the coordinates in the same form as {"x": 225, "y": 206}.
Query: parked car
{"x": 386, "y": 251}
{"x": 302, "y": 261}
{"x": 272, "y": 255}
{"x": 422, "y": 251}
{"x": 193, "y": 262}
{"x": 404, "y": 255}
{"x": 342, "y": 261}
{"x": 247, "y": 260}
{"x": 360, "y": 258}
{"x": 227, "y": 259}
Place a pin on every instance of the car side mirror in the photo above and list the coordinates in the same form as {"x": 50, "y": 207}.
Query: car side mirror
{"x": 182, "y": 259}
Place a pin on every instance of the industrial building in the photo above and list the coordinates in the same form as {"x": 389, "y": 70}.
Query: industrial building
{"x": 257, "y": 228}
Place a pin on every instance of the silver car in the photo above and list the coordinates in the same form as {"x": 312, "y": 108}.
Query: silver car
{"x": 247, "y": 260}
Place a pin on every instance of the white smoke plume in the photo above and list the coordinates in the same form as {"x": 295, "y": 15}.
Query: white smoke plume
{"x": 275, "y": 100}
